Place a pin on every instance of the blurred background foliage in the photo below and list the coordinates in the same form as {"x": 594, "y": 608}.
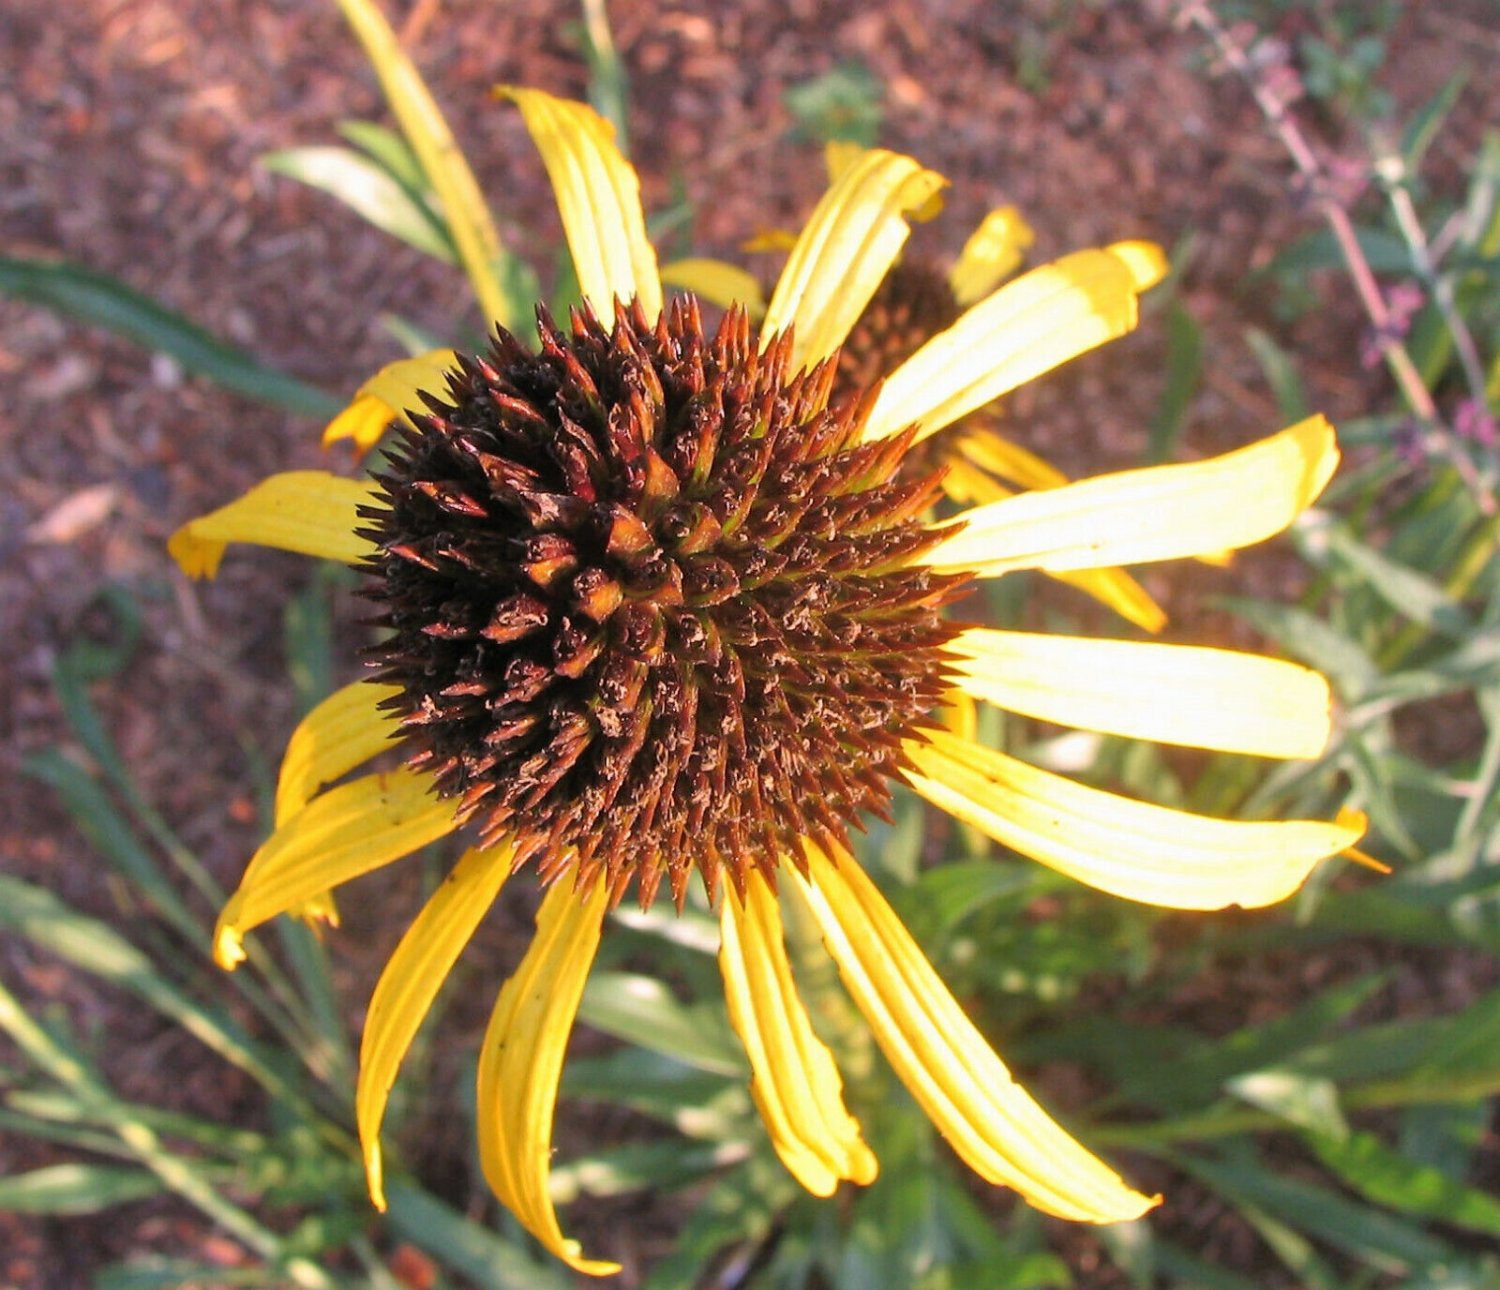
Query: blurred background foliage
{"x": 1312, "y": 1124}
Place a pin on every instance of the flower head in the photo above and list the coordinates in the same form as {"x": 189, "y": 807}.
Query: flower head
{"x": 657, "y": 603}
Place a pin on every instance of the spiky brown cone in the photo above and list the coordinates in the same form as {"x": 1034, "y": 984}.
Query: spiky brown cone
{"x": 650, "y": 603}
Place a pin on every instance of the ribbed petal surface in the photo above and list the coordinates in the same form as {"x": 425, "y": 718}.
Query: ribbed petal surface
{"x": 599, "y": 199}
{"x": 998, "y": 1129}
{"x": 1132, "y": 849}
{"x": 851, "y": 239}
{"x": 520, "y": 1064}
{"x": 310, "y": 512}
{"x": 1155, "y": 513}
{"x": 1180, "y": 694}
{"x": 795, "y": 1084}
{"x": 348, "y": 831}
{"x": 413, "y": 975}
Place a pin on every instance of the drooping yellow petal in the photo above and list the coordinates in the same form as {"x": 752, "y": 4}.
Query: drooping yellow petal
{"x": 310, "y": 512}
{"x": 1179, "y": 694}
{"x": 993, "y": 252}
{"x": 413, "y": 975}
{"x": 340, "y": 733}
{"x": 1132, "y": 849}
{"x": 348, "y": 831}
{"x": 795, "y": 1084}
{"x": 389, "y": 395}
{"x": 984, "y": 453}
{"x": 718, "y": 282}
{"x": 1027, "y": 327}
{"x": 852, "y": 238}
{"x": 1155, "y": 513}
{"x": 521, "y": 1062}
{"x": 995, "y": 1126}
{"x": 442, "y": 160}
{"x": 599, "y": 199}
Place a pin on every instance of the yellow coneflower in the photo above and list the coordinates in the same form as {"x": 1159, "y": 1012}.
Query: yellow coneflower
{"x": 656, "y": 606}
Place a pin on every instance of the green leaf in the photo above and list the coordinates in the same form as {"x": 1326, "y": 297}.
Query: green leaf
{"x": 1428, "y": 119}
{"x": 1328, "y": 543}
{"x": 75, "y": 1189}
{"x": 370, "y": 191}
{"x": 1377, "y": 1238}
{"x": 696, "y": 1103}
{"x": 487, "y": 1258}
{"x": 844, "y": 103}
{"x": 1281, "y": 373}
{"x": 1184, "y": 370}
{"x": 1308, "y": 639}
{"x": 642, "y": 1011}
{"x": 92, "y": 947}
{"x": 641, "y": 1166}
{"x": 1305, "y": 1101}
{"x": 1391, "y": 1179}
{"x": 106, "y": 302}
{"x": 109, "y": 833}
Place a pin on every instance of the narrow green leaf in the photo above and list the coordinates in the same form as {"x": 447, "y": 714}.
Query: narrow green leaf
{"x": 1184, "y": 370}
{"x": 1330, "y": 544}
{"x": 642, "y": 1011}
{"x": 1308, "y": 639}
{"x": 1302, "y": 1100}
{"x": 75, "y": 1189}
{"x": 1391, "y": 1179}
{"x": 696, "y": 1103}
{"x": 92, "y": 947}
{"x": 1281, "y": 374}
{"x": 370, "y": 191}
{"x": 1377, "y": 1238}
{"x": 388, "y": 150}
{"x": 487, "y": 1258}
{"x": 660, "y": 1166}
{"x": 106, "y": 302}
{"x": 1428, "y": 119}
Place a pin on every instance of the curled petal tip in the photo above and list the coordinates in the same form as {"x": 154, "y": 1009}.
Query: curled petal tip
{"x": 1146, "y": 262}
{"x": 229, "y": 946}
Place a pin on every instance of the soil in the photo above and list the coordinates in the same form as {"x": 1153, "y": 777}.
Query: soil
{"x": 130, "y": 133}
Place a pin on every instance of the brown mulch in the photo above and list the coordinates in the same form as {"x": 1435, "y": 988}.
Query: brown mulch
{"x": 129, "y": 138}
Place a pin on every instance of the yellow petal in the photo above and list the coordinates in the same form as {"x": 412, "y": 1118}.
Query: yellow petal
{"x": 995, "y": 1126}
{"x": 795, "y": 1083}
{"x": 307, "y": 511}
{"x": 348, "y": 831}
{"x": 413, "y": 975}
{"x": 852, "y": 238}
{"x": 342, "y": 732}
{"x": 1155, "y": 513}
{"x": 390, "y": 394}
{"x": 993, "y": 252}
{"x": 599, "y": 198}
{"x": 1029, "y": 326}
{"x": 364, "y": 421}
{"x": 1120, "y": 592}
{"x": 970, "y": 479}
{"x": 1131, "y": 849}
{"x": 718, "y": 282}
{"x": 1179, "y": 694}
{"x": 521, "y": 1062}
{"x": 441, "y": 159}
